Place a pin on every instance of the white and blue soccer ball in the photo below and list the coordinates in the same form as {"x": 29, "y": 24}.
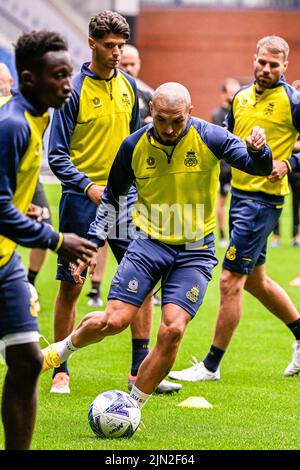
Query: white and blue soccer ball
{"x": 114, "y": 414}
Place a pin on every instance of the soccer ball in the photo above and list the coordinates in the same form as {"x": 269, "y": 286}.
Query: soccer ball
{"x": 114, "y": 414}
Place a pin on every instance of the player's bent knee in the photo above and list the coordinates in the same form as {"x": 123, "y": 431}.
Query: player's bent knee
{"x": 171, "y": 333}
{"x": 116, "y": 324}
{"x": 118, "y": 317}
{"x": 230, "y": 283}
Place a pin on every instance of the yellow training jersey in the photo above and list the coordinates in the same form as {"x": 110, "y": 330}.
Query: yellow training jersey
{"x": 21, "y": 134}
{"x": 277, "y": 111}
{"x": 87, "y": 133}
{"x": 176, "y": 185}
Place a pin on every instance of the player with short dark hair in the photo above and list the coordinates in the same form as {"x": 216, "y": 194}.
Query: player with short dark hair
{"x": 44, "y": 70}
{"x": 108, "y": 22}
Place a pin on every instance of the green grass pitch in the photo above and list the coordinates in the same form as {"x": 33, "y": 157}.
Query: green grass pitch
{"x": 254, "y": 406}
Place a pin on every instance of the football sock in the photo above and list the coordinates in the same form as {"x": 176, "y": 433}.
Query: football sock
{"x": 95, "y": 292}
{"x": 295, "y": 328}
{"x": 31, "y": 275}
{"x": 140, "y": 349}
{"x": 213, "y": 358}
{"x": 222, "y": 233}
{"x": 65, "y": 348}
{"x": 62, "y": 368}
{"x": 139, "y": 396}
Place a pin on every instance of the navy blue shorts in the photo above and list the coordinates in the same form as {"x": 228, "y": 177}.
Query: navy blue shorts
{"x": 17, "y": 308}
{"x": 184, "y": 273}
{"x": 250, "y": 223}
{"x": 76, "y": 213}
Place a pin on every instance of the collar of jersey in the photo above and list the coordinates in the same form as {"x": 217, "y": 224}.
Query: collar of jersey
{"x": 18, "y": 97}
{"x": 86, "y": 71}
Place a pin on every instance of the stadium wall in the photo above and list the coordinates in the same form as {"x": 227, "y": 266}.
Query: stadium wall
{"x": 201, "y": 47}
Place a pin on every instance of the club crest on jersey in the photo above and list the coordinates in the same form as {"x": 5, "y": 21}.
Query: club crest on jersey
{"x": 133, "y": 286}
{"x": 150, "y": 162}
{"x": 231, "y": 253}
{"x": 244, "y": 103}
{"x": 268, "y": 111}
{"x": 125, "y": 98}
{"x": 193, "y": 294}
{"x": 96, "y": 102}
{"x": 190, "y": 159}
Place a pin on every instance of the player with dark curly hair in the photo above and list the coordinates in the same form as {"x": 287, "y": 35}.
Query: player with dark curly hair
{"x": 44, "y": 70}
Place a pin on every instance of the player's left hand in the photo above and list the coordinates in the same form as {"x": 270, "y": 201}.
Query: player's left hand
{"x": 256, "y": 140}
{"x": 34, "y": 211}
{"x": 280, "y": 169}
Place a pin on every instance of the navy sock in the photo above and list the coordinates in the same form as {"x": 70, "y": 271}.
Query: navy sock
{"x": 62, "y": 368}
{"x": 295, "y": 328}
{"x": 140, "y": 349}
{"x": 213, "y": 358}
{"x": 95, "y": 291}
{"x": 31, "y": 275}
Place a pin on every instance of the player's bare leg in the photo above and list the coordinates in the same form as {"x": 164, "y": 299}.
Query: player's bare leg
{"x": 96, "y": 325}
{"x": 92, "y": 329}
{"x": 140, "y": 326}
{"x": 94, "y": 295}
{"x": 19, "y": 399}
{"x": 159, "y": 361}
{"x": 230, "y": 311}
{"x": 64, "y": 321}
{"x": 64, "y": 312}
{"x": 271, "y": 295}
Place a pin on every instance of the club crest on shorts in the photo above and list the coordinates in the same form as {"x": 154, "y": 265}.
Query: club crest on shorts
{"x": 231, "y": 253}
{"x": 193, "y": 294}
{"x": 133, "y": 286}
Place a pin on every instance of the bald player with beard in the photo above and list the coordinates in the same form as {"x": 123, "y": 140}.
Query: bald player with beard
{"x": 184, "y": 154}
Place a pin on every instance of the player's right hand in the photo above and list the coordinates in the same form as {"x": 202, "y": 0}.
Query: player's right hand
{"x": 76, "y": 249}
{"x": 94, "y": 193}
{"x": 256, "y": 140}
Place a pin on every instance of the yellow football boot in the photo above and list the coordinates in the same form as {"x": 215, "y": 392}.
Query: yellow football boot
{"x": 51, "y": 358}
